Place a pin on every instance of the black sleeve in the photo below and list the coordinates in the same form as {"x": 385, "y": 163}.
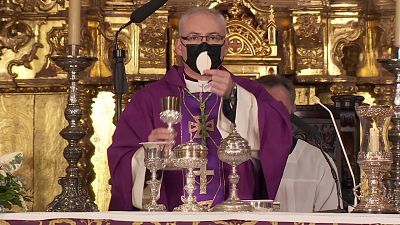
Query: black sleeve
{"x": 229, "y": 105}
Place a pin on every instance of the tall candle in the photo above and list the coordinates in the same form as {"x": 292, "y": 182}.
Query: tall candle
{"x": 74, "y": 22}
{"x": 374, "y": 138}
{"x": 397, "y": 25}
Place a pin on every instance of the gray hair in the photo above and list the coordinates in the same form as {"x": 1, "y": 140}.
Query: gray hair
{"x": 201, "y": 10}
{"x": 276, "y": 80}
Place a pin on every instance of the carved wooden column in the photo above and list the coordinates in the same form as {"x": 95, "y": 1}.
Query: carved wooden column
{"x": 383, "y": 94}
{"x": 344, "y": 107}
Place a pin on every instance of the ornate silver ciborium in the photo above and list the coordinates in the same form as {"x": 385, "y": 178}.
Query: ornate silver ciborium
{"x": 170, "y": 115}
{"x": 154, "y": 160}
{"x": 190, "y": 156}
{"x": 374, "y": 157}
{"x": 234, "y": 150}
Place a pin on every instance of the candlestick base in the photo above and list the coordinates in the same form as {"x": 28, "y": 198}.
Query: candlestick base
{"x": 374, "y": 201}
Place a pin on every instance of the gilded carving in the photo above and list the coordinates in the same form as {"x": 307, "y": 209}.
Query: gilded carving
{"x": 244, "y": 42}
{"x": 152, "y": 43}
{"x": 62, "y": 221}
{"x": 56, "y": 38}
{"x": 46, "y": 5}
{"x": 345, "y": 88}
{"x": 383, "y": 94}
{"x": 252, "y": 49}
{"x": 345, "y": 50}
{"x": 33, "y": 89}
{"x": 309, "y": 44}
{"x": 107, "y": 30}
{"x": 96, "y": 222}
{"x": 37, "y": 5}
{"x": 385, "y": 43}
{"x": 313, "y": 3}
{"x": 25, "y": 60}
{"x": 244, "y": 38}
{"x": 236, "y": 222}
{"x": 369, "y": 64}
{"x": 287, "y": 51}
{"x": 309, "y": 58}
{"x": 14, "y": 35}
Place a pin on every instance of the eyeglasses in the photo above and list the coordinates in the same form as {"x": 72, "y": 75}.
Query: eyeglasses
{"x": 213, "y": 39}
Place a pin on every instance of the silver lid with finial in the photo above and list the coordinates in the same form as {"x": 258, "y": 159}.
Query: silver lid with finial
{"x": 234, "y": 149}
{"x": 190, "y": 155}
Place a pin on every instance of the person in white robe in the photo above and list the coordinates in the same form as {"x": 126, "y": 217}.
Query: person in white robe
{"x": 307, "y": 184}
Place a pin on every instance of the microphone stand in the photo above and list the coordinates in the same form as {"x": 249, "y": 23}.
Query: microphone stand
{"x": 119, "y": 75}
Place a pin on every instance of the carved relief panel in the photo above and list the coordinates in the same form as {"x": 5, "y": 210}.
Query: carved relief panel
{"x": 153, "y": 44}
{"x": 344, "y": 44}
{"x": 309, "y": 41}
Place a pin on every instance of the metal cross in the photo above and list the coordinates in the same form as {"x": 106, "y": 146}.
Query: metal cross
{"x": 203, "y": 173}
{"x": 196, "y": 126}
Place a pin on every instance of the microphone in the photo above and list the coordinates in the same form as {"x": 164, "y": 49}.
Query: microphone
{"x": 146, "y": 10}
{"x": 140, "y": 14}
{"x": 119, "y": 76}
{"x": 316, "y": 100}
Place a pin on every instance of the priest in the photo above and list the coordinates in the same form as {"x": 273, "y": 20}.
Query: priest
{"x": 310, "y": 182}
{"x": 211, "y": 100}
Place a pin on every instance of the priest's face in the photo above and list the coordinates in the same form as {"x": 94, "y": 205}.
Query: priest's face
{"x": 280, "y": 93}
{"x": 207, "y": 28}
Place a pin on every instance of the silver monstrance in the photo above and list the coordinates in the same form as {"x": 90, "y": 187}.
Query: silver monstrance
{"x": 234, "y": 150}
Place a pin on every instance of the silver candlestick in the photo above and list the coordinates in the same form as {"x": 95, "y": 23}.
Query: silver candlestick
{"x": 374, "y": 157}
{"x": 234, "y": 150}
{"x": 190, "y": 155}
{"x": 154, "y": 160}
{"x": 393, "y": 182}
{"x": 74, "y": 196}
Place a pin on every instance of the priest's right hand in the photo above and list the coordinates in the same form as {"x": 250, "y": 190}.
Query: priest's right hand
{"x": 161, "y": 134}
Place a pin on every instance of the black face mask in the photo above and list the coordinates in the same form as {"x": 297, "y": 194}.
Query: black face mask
{"x": 193, "y": 51}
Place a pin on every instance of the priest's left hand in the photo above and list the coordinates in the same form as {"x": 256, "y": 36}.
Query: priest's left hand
{"x": 221, "y": 82}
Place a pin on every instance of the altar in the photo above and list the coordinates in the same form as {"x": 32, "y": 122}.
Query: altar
{"x": 116, "y": 217}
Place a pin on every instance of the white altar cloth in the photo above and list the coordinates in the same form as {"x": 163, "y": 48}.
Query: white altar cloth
{"x": 348, "y": 218}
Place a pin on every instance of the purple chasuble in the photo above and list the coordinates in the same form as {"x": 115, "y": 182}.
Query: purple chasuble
{"x": 191, "y": 128}
{"x": 142, "y": 115}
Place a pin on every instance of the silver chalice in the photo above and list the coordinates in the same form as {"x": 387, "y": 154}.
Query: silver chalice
{"x": 154, "y": 160}
{"x": 170, "y": 115}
